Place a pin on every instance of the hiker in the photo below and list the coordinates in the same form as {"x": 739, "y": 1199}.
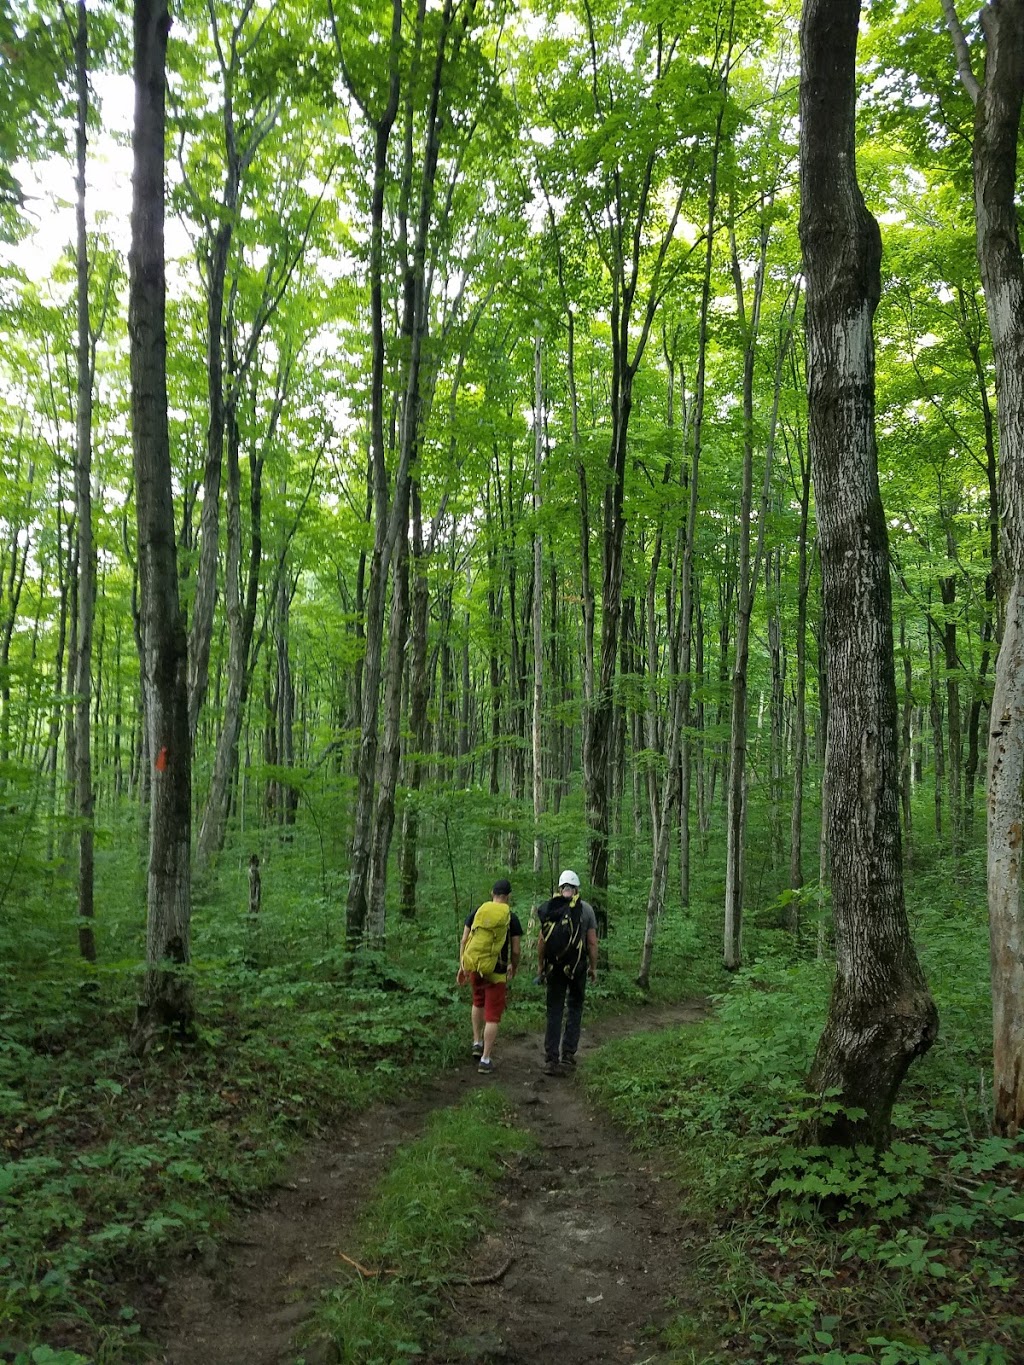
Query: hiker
{"x": 566, "y": 956}
{"x": 488, "y": 959}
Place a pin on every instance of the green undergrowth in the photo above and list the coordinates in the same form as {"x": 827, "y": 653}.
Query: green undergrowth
{"x": 434, "y": 1203}
{"x": 111, "y": 1165}
{"x": 816, "y": 1256}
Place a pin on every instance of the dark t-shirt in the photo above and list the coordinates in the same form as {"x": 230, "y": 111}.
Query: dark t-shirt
{"x": 515, "y": 930}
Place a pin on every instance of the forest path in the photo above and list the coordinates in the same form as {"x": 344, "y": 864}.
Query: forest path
{"x": 589, "y": 1236}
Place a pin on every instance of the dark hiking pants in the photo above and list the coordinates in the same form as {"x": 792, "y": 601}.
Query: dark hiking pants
{"x": 563, "y": 990}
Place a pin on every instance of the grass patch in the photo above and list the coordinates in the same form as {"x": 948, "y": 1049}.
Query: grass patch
{"x": 430, "y": 1208}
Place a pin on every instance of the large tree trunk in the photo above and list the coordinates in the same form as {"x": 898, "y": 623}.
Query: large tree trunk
{"x": 167, "y": 992}
{"x": 997, "y": 120}
{"x": 881, "y": 1015}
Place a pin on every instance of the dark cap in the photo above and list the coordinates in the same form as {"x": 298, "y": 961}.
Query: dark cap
{"x": 502, "y": 887}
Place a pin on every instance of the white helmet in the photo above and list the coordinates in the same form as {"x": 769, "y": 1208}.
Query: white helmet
{"x": 569, "y": 879}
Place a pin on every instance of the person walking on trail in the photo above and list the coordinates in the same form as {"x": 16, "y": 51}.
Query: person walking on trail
{"x": 488, "y": 960}
{"x": 566, "y": 957}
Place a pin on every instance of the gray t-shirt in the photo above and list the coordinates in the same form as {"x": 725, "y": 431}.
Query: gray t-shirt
{"x": 589, "y": 918}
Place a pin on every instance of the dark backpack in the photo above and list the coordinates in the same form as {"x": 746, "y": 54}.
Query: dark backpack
{"x": 565, "y": 941}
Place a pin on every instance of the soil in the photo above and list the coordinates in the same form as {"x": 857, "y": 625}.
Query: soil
{"x": 591, "y": 1245}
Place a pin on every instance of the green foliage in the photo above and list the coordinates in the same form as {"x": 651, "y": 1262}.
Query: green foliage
{"x": 828, "y": 1256}
{"x": 433, "y": 1204}
{"x": 108, "y": 1161}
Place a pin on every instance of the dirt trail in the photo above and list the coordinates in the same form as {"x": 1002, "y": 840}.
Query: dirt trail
{"x": 588, "y": 1243}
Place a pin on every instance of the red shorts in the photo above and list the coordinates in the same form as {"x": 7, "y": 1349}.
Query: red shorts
{"x": 488, "y": 996}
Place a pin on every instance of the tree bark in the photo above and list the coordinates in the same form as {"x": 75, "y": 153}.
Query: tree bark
{"x": 167, "y": 991}
{"x": 881, "y": 1015}
{"x": 997, "y": 120}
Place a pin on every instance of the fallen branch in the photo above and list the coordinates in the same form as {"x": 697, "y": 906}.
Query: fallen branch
{"x": 494, "y": 1276}
{"x": 366, "y": 1274}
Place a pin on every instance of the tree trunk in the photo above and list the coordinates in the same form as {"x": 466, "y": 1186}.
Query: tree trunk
{"x": 419, "y": 696}
{"x": 906, "y": 741}
{"x": 242, "y": 138}
{"x": 167, "y": 991}
{"x": 736, "y": 818}
{"x": 84, "y": 796}
{"x": 538, "y": 619}
{"x": 384, "y": 818}
{"x": 777, "y": 656}
{"x": 287, "y": 795}
{"x": 881, "y": 1014}
{"x": 796, "y": 873}
{"x": 241, "y": 615}
{"x": 366, "y": 762}
{"x": 391, "y": 520}
{"x": 952, "y": 665}
{"x": 997, "y": 119}
{"x": 938, "y": 730}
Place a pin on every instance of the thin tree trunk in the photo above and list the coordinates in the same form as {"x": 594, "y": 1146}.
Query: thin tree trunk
{"x": 906, "y": 742}
{"x": 952, "y": 666}
{"x": 84, "y": 796}
{"x": 796, "y": 873}
{"x": 419, "y": 696}
{"x": 241, "y": 617}
{"x": 538, "y": 619}
{"x": 366, "y": 763}
{"x": 390, "y": 753}
{"x": 938, "y": 731}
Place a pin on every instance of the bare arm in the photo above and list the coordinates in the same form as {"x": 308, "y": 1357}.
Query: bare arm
{"x": 462, "y": 976}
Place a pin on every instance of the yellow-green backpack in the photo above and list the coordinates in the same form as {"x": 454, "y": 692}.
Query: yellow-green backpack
{"x": 486, "y": 938}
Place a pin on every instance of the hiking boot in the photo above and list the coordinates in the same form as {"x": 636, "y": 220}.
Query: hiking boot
{"x": 569, "y": 1059}
{"x": 486, "y": 1066}
{"x": 478, "y": 1051}
{"x": 552, "y": 1069}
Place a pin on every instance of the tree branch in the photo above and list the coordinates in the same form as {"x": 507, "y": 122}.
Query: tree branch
{"x": 962, "y": 51}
